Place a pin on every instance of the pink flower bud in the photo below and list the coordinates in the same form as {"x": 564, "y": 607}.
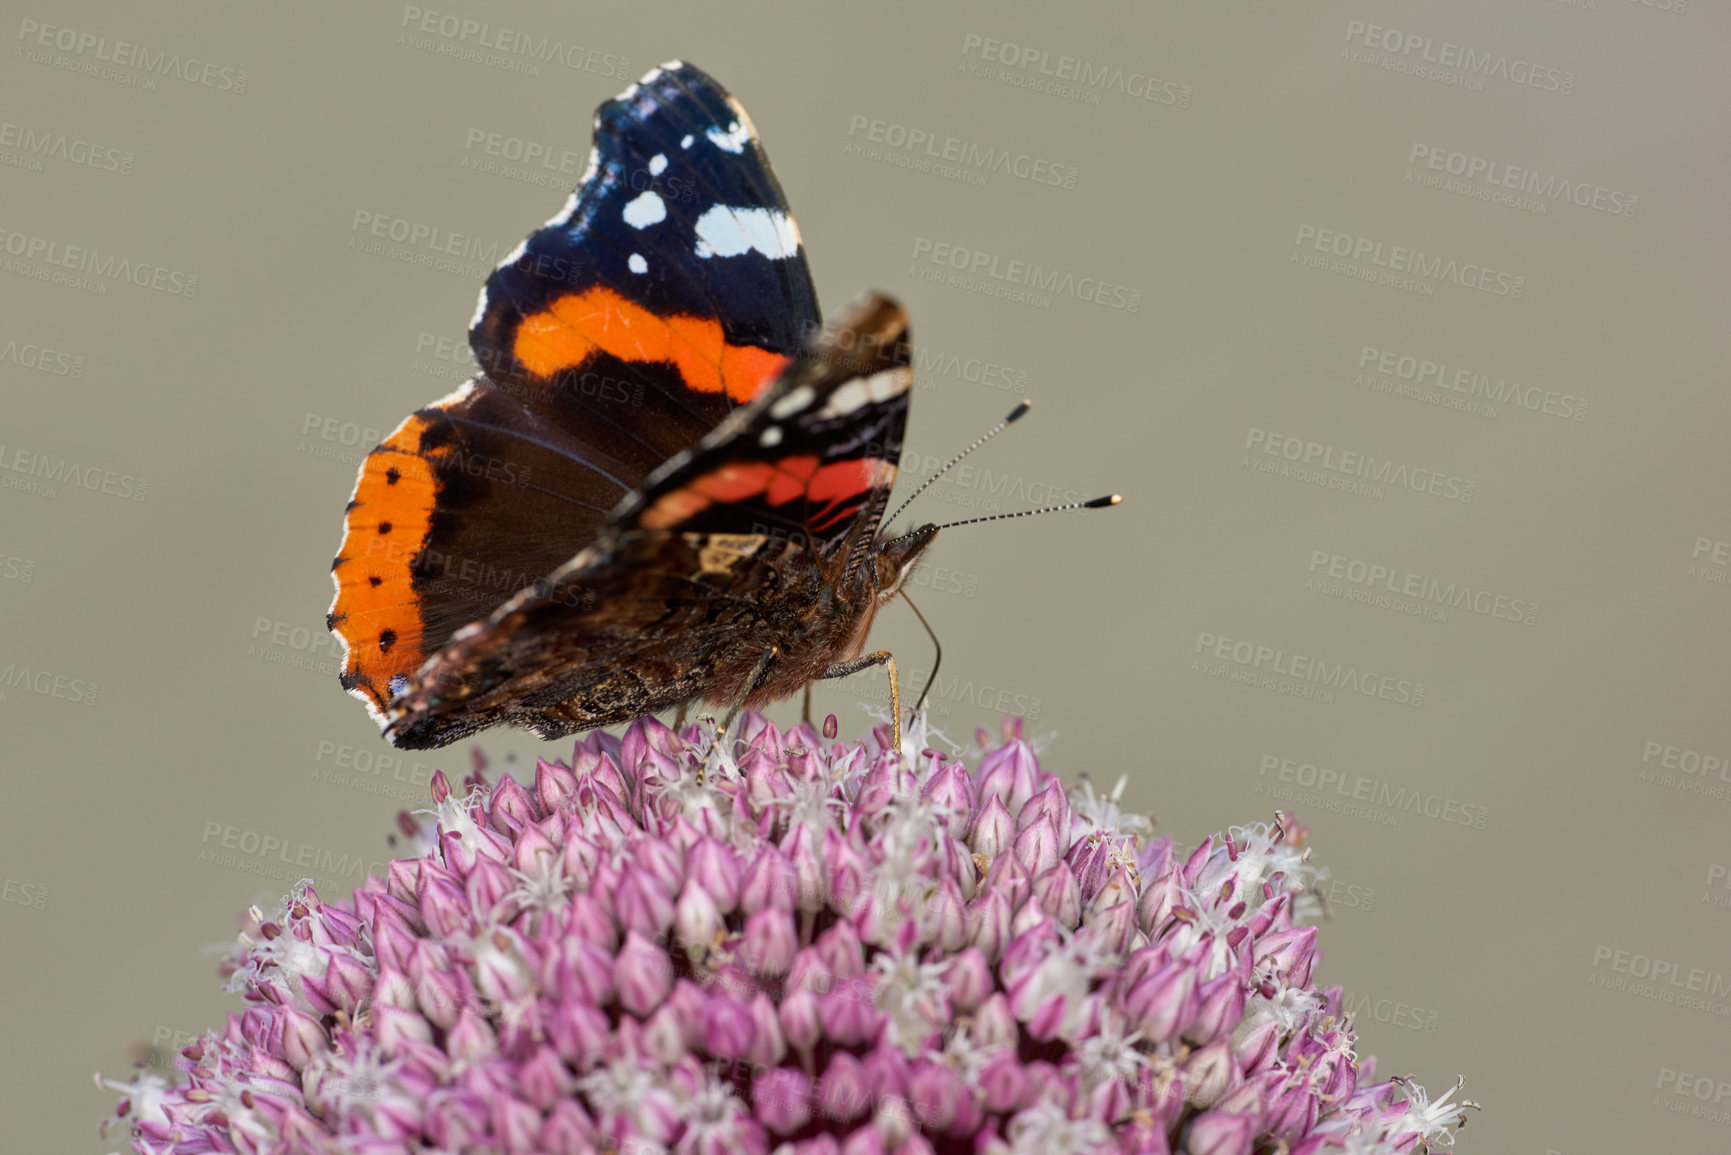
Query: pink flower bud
{"x": 717, "y": 869}
{"x": 1219, "y": 1133}
{"x": 769, "y": 880}
{"x": 968, "y": 980}
{"x": 642, "y": 904}
{"x": 1009, "y": 773}
{"x": 993, "y": 830}
{"x": 1290, "y": 953}
{"x": 1037, "y": 846}
{"x": 1220, "y": 1008}
{"x": 801, "y": 1025}
{"x": 1057, "y": 893}
{"x": 696, "y": 919}
{"x": 1163, "y": 1003}
{"x": 951, "y": 789}
{"x": 848, "y": 1014}
{"x": 641, "y": 975}
{"x": 1209, "y": 1073}
{"x": 1004, "y": 1084}
{"x": 727, "y": 1027}
{"x": 989, "y": 923}
{"x": 783, "y": 1100}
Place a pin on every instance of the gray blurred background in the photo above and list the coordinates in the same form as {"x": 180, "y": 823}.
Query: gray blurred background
{"x": 1400, "y": 326}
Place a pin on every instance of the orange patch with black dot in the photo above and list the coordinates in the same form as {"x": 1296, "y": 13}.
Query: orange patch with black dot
{"x": 578, "y": 325}
{"x": 377, "y": 612}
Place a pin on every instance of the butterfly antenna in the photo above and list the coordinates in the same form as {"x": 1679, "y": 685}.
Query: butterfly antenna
{"x": 981, "y": 440}
{"x": 1097, "y": 503}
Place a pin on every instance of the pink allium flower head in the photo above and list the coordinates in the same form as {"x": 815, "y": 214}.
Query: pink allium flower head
{"x": 792, "y": 946}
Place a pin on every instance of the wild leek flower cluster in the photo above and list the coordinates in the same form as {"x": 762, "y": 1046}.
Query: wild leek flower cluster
{"x": 795, "y": 946}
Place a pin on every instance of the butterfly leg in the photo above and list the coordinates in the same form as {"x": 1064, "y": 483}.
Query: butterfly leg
{"x": 751, "y": 685}
{"x": 805, "y": 714}
{"x": 865, "y": 662}
{"x": 679, "y": 716}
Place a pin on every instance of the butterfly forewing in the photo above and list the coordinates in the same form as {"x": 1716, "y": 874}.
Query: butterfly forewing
{"x": 670, "y": 290}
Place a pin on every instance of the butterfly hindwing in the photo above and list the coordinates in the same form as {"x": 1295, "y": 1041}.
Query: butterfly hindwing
{"x": 698, "y": 573}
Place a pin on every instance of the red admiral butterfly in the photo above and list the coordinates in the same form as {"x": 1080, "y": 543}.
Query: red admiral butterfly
{"x": 663, "y": 488}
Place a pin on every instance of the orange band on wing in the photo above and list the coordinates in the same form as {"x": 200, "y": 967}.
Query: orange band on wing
{"x": 570, "y": 331}
{"x": 377, "y": 612}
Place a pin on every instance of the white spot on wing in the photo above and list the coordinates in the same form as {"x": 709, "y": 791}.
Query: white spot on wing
{"x": 686, "y": 143}
{"x": 793, "y": 402}
{"x": 637, "y": 264}
{"x": 727, "y": 232}
{"x": 657, "y": 164}
{"x": 770, "y": 437}
{"x": 733, "y": 138}
{"x": 863, "y": 391}
{"x": 644, "y": 211}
